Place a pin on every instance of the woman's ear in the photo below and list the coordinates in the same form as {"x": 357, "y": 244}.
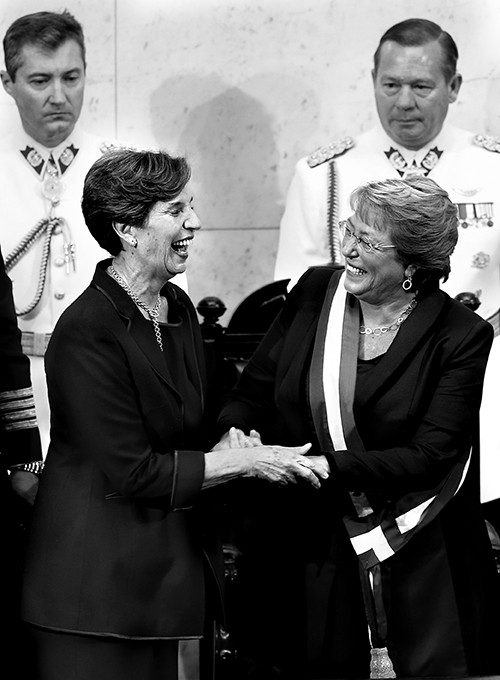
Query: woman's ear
{"x": 410, "y": 271}
{"x": 125, "y": 234}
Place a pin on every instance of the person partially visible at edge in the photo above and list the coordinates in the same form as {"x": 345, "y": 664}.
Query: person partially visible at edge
{"x": 122, "y": 558}
{"x": 21, "y": 463}
{"x": 415, "y": 80}
{"x": 382, "y": 372}
{"x": 49, "y": 253}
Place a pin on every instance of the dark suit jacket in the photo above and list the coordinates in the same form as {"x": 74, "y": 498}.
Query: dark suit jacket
{"x": 116, "y": 544}
{"x": 416, "y": 412}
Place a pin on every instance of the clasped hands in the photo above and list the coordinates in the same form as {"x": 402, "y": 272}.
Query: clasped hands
{"x": 279, "y": 464}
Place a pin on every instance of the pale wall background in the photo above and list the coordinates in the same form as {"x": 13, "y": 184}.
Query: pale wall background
{"x": 246, "y": 87}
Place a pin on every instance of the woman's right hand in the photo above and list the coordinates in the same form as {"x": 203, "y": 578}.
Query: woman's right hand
{"x": 284, "y": 465}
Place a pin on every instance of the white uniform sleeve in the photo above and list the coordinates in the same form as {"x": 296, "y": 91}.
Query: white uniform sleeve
{"x": 303, "y": 236}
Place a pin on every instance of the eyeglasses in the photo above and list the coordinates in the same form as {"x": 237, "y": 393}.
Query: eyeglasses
{"x": 369, "y": 247}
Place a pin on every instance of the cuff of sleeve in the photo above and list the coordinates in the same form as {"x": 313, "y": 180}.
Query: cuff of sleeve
{"x": 189, "y": 471}
{"x": 36, "y": 467}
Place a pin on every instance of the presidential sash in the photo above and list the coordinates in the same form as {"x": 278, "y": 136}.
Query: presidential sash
{"x": 376, "y": 533}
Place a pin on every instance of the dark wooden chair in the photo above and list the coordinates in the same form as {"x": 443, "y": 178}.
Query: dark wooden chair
{"x": 227, "y": 350}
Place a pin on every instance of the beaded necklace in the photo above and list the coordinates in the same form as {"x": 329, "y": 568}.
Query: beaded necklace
{"x": 152, "y": 312}
{"x": 364, "y": 330}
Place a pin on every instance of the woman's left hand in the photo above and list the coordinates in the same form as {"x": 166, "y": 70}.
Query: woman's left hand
{"x": 237, "y": 439}
{"x": 321, "y": 466}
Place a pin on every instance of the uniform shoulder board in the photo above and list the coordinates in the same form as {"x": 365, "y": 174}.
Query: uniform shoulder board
{"x": 488, "y": 142}
{"x": 109, "y": 146}
{"x": 327, "y": 153}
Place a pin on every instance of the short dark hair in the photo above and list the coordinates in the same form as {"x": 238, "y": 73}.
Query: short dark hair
{"x": 46, "y": 30}
{"x": 421, "y": 220}
{"x": 412, "y": 32}
{"x": 123, "y": 185}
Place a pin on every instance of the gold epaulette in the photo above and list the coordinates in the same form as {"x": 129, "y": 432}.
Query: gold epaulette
{"x": 104, "y": 147}
{"x": 488, "y": 142}
{"x": 327, "y": 153}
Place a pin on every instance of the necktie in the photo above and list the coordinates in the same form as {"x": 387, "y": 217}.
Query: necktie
{"x": 51, "y": 182}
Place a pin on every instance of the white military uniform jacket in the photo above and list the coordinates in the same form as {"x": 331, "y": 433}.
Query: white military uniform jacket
{"x": 468, "y": 167}
{"x": 73, "y": 252}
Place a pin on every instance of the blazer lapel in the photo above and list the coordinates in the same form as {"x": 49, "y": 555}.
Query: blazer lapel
{"x": 409, "y": 337}
{"x": 144, "y": 336}
{"x": 142, "y": 333}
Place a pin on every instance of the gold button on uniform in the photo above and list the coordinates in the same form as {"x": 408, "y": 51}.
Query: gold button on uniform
{"x": 59, "y": 295}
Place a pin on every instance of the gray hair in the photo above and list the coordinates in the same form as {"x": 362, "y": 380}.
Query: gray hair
{"x": 420, "y": 219}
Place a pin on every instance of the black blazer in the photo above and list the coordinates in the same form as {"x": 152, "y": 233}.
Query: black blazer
{"x": 116, "y": 544}
{"x": 418, "y": 408}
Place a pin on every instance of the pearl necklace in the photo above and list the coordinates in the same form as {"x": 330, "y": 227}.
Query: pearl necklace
{"x": 364, "y": 330}
{"x": 152, "y": 312}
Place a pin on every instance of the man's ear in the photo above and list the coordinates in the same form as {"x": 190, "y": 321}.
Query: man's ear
{"x": 454, "y": 87}
{"x": 6, "y": 82}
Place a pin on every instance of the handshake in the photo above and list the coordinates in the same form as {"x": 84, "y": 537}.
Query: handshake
{"x": 278, "y": 464}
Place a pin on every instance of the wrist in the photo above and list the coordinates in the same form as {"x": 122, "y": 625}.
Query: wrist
{"x": 248, "y": 462}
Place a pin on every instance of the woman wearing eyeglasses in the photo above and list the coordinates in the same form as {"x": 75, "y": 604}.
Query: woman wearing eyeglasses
{"x": 390, "y": 562}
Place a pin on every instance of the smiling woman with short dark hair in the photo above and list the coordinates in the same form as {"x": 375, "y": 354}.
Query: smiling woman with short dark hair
{"x": 123, "y": 559}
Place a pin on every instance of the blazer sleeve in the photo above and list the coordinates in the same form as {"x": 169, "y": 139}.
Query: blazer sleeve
{"x": 253, "y": 404}
{"x": 99, "y": 414}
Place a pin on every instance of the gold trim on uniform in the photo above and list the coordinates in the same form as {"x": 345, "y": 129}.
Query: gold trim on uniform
{"x": 109, "y": 146}
{"x": 488, "y": 142}
{"x": 327, "y": 153}
{"x": 481, "y": 260}
{"x": 35, "y": 344}
{"x": 17, "y": 410}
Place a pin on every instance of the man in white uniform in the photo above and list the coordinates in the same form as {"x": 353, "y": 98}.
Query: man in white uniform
{"x": 49, "y": 252}
{"x": 415, "y": 80}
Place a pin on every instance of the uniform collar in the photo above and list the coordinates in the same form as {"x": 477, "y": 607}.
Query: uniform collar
{"x": 442, "y": 141}
{"x": 63, "y": 153}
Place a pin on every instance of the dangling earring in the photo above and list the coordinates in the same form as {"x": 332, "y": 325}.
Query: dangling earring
{"x": 133, "y": 242}
{"x": 407, "y": 284}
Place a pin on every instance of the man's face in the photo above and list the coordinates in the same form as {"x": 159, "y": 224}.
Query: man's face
{"x": 411, "y": 92}
{"x": 48, "y": 90}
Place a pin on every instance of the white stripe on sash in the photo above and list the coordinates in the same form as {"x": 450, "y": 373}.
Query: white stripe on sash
{"x": 331, "y": 366}
{"x": 409, "y": 520}
{"x": 373, "y": 540}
